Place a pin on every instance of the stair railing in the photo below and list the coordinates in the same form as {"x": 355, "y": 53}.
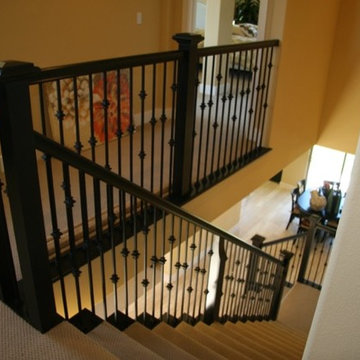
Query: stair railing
{"x": 311, "y": 249}
{"x": 56, "y": 102}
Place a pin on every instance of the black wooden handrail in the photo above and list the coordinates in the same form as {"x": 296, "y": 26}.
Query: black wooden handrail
{"x": 56, "y": 150}
{"x": 214, "y": 50}
{"x": 282, "y": 240}
{"x": 85, "y": 68}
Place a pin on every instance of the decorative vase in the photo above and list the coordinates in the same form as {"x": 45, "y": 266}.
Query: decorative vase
{"x": 317, "y": 201}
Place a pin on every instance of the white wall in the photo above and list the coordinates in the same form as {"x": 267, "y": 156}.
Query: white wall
{"x": 335, "y": 332}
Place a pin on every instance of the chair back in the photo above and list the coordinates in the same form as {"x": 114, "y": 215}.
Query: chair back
{"x": 301, "y": 186}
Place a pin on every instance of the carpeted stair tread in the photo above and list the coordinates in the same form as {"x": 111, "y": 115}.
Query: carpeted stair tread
{"x": 284, "y": 344}
{"x": 186, "y": 343}
{"x": 250, "y": 341}
{"x": 280, "y": 348}
{"x": 19, "y": 340}
{"x": 223, "y": 336}
{"x": 275, "y": 330}
{"x": 209, "y": 341}
{"x": 120, "y": 344}
{"x": 156, "y": 343}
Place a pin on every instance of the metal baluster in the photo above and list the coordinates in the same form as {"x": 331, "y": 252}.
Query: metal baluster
{"x": 42, "y": 109}
{"x": 230, "y": 311}
{"x": 260, "y": 106}
{"x": 154, "y": 261}
{"x": 178, "y": 266}
{"x": 210, "y": 106}
{"x": 266, "y": 97}
{"x": 244, "y": 115}
{"x": 170, "y": 285}
{"x": 230, "y": 98}
{"x": 216, "y": 124}
{"x": 56, "y": 233}
{"x": 163, "y": 119}
{"x": 313, "y": 255}
{"x": 190, "y": 288}
{"x": 197, "y": 272}
{"x": 251, "y": 109}
{"x": 105, "y": 105}
{"x": 235, "y": 119}
{"x": 185, "y": 267}
{"x": 162, "y": 261}
{"x": 203, "y": 272}
{"x": 125, "y": 251}
{"x": 131, "y": 130}
{"x": 320, "y": 256}
{"x": 119, "y": 132}
{"x": 99, "y": 240}
{"x": 142, "y": 153}
{"x": 210, "y": 254}
{"x": 257, "y": 101}
{"x": 231, "y": 279}
{"x": 202, "y": 107}
{"x": 145, "y": 282}
{"x": 135, "y": 254}
{"x": 172, "y": 135}
{"x": 153, "y": 124}
{"x": 242, "y": 266}
{"x": 92, "y": 140}
{"x": 228, "y": 246}
{"x": 241, "y": 118}
{"x": 223, "y": 99}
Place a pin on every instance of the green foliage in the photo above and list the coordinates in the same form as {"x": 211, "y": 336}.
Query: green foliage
{"x": 246, "y": 11}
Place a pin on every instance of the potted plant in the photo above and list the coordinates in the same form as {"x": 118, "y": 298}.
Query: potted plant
{"x": 246, "y": 11}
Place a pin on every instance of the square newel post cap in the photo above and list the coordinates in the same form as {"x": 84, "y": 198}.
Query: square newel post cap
{"x": 187, "y": 40}
{"x": 257, "y": 241}
{"x": 14, "y": 67}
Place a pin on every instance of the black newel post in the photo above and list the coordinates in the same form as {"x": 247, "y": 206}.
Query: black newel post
{"x": 285, "y": 257}
{"x": 17, "y": 144}
{"x": 185, "y": 114}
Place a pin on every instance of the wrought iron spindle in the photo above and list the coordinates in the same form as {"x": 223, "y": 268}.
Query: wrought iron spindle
{"x": 92, "y": 141}
{"x": 185, "y": 266}
{"x": 178, "y": 266}
{"x": 173, "y": 120}
{"x": 56, "y": 233}
{"x": 145, "y": 282}
{"x": 125, "y": 251}
{"x": 223, "y": 100}
{"x": 42, "y": 109}
{"x": 142, "y": 153}
{"x": 162, "y": 261}
{"x": 210, "y": 253}
{"x": 241, "y": 281}
{"x": 119, "y": 132}
{"x": 202, "y": 108}
{"x": 230, "y": 98}
{"x": 210, "y": 105}
{"x": 257, "y": 102}
{"x": 326, "y": 260}
{"x": 190, "y": 289}
{"x": 105, "y": 105}
{"x": 99, "y": 241}
{"x": 270, "y": 65}
{"x": 230, "y": 310}
{"x": 131, "y": 129}
{"x": 216, "y": 124}
{"x": 170, "y": 285}
{"x": 251, "y": 109}
{"x": 154, "y": 261}
{"x": 197, "y": 272}
{"x": 241, "y": 117}
{"x": 153, "y": 122}
{"x": 244, "y": 115}
{"x": 203, "y": 272}
{"x": 163, "y": 119}
{"x": 135, "y": 254}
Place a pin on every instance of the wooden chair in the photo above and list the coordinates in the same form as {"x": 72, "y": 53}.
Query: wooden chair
{"x": 295, "y": 211}
{"x": 301, "y": 186}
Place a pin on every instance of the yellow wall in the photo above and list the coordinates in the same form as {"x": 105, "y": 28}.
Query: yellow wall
{"x": 340, "y": 125}
{"x": 49, "y": 32}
